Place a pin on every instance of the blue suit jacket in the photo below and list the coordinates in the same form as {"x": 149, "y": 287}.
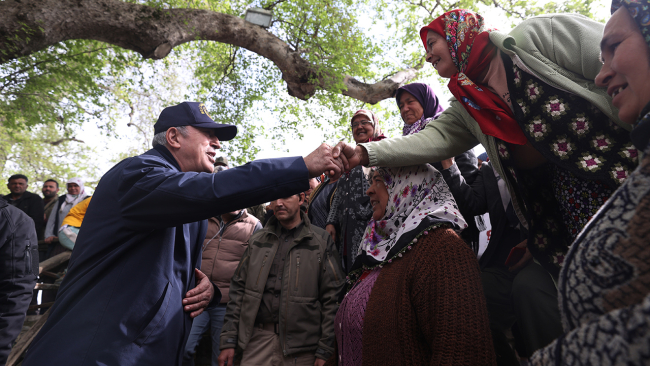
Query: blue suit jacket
{"x": 134, "y": 259}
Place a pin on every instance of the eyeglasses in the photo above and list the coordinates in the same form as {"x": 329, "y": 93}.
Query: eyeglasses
{"x": 357, "y": 123}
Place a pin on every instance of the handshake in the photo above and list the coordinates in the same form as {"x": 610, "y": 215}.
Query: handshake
{"x": 336, "y": 160}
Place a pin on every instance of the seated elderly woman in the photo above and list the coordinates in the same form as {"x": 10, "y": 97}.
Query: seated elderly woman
{"x": 604, "y": 286}
{"x": 416, "y": 296}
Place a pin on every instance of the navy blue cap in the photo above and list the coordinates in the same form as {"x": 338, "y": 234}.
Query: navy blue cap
{"x": 193, "y": 114}
{"x": 483, "y": 157}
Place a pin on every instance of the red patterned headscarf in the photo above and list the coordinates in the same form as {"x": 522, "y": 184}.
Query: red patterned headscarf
{"x": 471, "y": 51}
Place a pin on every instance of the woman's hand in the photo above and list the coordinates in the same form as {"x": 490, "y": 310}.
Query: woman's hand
{"x": 447, "y": 163}
{"x": 350, "y": 156}
{"x": 524, "y": 260}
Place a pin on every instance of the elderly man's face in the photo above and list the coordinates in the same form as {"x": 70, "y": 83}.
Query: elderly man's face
{"x": 17, "y": 186}
{"x": 197, "y": 150}
{"x": 286, "y": 209}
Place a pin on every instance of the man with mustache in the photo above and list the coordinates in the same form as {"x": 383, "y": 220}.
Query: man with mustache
{"x": 133, "y": 284}
{"x": 283, "y": 295}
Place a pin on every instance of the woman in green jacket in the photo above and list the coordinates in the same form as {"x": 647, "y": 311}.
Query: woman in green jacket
{"x": 529, "y": 98}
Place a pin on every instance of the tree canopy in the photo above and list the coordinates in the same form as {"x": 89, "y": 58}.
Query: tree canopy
{"x": 67, "y": 65}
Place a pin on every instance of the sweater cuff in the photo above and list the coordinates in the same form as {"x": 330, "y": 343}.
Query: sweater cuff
{"x": 451, "y": 171}
{"x": 372, "y": 155}
{"x": 323, "y": 354}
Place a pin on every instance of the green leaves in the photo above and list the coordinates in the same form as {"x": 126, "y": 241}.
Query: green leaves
{"x": 83, "y": 84}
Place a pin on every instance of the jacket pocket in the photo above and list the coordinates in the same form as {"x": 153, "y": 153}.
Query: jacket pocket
{"x": 297, "y": 272}
{"x": 261, "y": 269}
{"x": 162, "y": 305}
{"x": 304, "y": 326}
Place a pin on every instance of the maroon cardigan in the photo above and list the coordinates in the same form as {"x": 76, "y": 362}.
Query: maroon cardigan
{"x": 428, "y": 308}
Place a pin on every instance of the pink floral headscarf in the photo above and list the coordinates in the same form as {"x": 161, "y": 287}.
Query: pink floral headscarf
{"x": 415, "y": 192}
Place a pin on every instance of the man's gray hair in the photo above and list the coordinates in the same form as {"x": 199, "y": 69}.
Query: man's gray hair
{"x": 161, "y": 137}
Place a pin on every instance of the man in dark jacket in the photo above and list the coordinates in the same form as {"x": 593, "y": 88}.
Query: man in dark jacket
{"x": 521, "y": 292}
{"x": 283, "y": 295}
{"x": 28, "y": 202}
{"x": 133, "y": 284}
{"x": 18, "y": 269}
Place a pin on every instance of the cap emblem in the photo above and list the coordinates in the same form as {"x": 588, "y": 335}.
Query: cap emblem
{"x": 204, "y": 110}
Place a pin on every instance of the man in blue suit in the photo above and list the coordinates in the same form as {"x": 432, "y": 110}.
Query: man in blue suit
{"x": 133, "y": 283}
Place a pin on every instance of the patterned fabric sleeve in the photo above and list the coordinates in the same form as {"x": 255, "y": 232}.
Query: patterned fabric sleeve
{"x": 333, "y": 217}
{"x": 620, "y": 337}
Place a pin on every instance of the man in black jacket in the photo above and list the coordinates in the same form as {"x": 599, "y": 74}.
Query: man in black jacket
{"x": 28, "y": 202}
{"x": 521, "y": 292}
{"x": 18, "y": 269}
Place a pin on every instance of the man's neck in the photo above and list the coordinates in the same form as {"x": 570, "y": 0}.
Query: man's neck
{"x": 15, "y": 196}
{"x": 228, "y": 217}
{"x": 292, "y": 223}
{"x": 47, "y": 200}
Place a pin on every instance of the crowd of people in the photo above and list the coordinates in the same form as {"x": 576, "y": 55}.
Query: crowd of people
{"x": 369, "y": 254}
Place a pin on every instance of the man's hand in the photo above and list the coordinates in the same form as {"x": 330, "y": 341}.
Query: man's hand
{"x": 524, "y": 260}
{"x": 331, "y": 229}
{"x": 227, "y": 357}
{"x": 321, "y": 160}
{"x": 200, "y": 296}
{"x": 447, "y": 163}
{"x": 318, "y": 362}
{"x": 350, "y": 156}
{"x": 49, "y": 239}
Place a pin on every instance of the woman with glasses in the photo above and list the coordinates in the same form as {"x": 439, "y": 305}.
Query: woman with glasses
{"x": 415, "y": 295}
{"x": 350, "y": 209}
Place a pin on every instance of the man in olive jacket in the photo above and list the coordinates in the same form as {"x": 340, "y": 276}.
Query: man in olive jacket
{"x": 283, "y": 295}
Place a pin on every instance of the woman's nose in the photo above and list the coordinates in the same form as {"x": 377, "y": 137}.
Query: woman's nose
{"x": 604, "y": 76}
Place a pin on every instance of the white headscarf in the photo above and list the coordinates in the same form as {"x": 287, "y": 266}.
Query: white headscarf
{"x": 73, "y": 199}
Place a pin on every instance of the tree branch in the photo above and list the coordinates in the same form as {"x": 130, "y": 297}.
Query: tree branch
{"x": 28, "y": 26}
{"x": 59, "y": 141}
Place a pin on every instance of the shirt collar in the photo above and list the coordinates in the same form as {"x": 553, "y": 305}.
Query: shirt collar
{"x": 164, "y": 151}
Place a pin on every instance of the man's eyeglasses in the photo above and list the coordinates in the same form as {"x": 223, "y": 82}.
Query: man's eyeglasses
{"x": 357, "y": 123}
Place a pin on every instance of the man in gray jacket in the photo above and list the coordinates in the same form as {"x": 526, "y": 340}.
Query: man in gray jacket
{"x": 283, "y": 295}
{"x": 18, "y": 270}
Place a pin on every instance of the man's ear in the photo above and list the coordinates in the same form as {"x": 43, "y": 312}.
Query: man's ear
{"x": 173, "y": 137}
{"x": 301, "y": 198}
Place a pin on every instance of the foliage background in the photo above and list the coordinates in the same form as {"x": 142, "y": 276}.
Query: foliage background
{"x": 76, "y": 108}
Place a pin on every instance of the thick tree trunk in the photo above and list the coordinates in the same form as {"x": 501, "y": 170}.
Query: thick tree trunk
{"x": 27, "y": 26}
